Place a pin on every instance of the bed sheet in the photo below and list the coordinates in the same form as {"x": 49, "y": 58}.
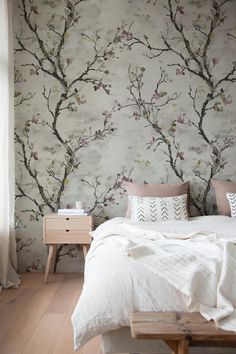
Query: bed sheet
{"x": 115, "y": 285}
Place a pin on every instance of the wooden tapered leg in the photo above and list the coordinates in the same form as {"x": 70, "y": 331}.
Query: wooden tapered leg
{"x": 50, "y": 253}
{"x": 173, "y": 344}
{"x": 183, "y": 346}
{"x": 54, "y": 253}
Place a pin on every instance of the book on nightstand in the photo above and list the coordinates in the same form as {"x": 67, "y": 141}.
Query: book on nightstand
{"x": 73, "y": 212}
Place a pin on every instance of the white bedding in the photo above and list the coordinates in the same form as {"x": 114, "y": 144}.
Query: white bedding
{"x": 117, "y": 284}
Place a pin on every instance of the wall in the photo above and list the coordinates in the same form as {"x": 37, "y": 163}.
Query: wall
{"x": 107, "y": 91}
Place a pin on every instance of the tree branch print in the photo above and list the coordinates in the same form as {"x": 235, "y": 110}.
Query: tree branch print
{"x": 149, "y": 109}
{"x": 23, "y": 244}
{"x": 18, "y": 96}
{"x": 51, "y": 62}
{"x": 45, "y": 191}
{"x": 197, "y": 61}
{"x": 103, "y": 197}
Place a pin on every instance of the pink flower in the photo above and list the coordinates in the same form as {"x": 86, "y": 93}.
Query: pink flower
{"x": 180, "y": 71}
{"x": 35, "y": 118}
{"x": 111, "y": 200}
{"x": 80, "y": 99}
{"x": 34, "y": 155}
{"x": 181, "y": 119}
{"x": 226, "y": 100}
{"x": 127, "y": 35}
{"x": 180, "y": 9}
{"x": 107, "y": 114}
{"x": 180, "y": 155}
{"x": 157, "y": 94}
{"x": 136, "y": 115}
{"x": 35, "y": 9}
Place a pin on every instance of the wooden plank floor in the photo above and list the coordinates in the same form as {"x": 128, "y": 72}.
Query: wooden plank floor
{"x": 35, "y": 318}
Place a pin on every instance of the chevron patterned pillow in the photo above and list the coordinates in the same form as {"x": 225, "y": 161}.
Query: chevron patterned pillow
{"x": 232, "y": 202}
{"x": 148, "y": 209}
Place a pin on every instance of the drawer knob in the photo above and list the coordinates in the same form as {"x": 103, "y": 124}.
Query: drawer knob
{"x": 67, "y": 230}
{"x": 67, "y": 218}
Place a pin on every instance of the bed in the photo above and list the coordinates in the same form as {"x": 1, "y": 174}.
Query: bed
{"x": 118, "y": 283}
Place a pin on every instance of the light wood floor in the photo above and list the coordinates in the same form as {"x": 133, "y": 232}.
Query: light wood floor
{"x": 35, "y": 318}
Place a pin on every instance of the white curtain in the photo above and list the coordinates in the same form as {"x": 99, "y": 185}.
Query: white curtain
{"x": 8, "y": 274}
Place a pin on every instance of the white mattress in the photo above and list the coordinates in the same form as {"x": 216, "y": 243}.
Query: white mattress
{"x": 115, "y": 285}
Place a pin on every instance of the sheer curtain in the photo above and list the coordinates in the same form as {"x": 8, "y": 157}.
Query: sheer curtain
{"x": 8, "y": 275}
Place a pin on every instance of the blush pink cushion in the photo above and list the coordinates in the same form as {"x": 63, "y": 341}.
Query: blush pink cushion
{"x": 221, "y": 188}
{"x": 154, "y": 190}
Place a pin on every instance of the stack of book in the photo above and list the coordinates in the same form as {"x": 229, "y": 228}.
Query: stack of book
{"x": 73, "y": 212}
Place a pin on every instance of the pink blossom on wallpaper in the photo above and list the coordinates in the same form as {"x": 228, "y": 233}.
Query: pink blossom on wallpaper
{"x": 215, "y": 61}
{"x": 109, "y": 54}
{"x": 83, "y": 142}
{"x": 180, "y": 71}
{"x": 172, "y": 128}
{"x": 226, "y": 100}
{"x": 136, "y": 115}
{"x": 160, "y": 94}
{"x": 111, "y": 199}
{"x": 180, "y": 155}
{"x": 34, "y": 9}
{"x": 124, "y": 34}
{"x": 180, "y": 9}
{"x": 181, "y": 118}
{"x": 36, "y": 118}
{"x": 80, "y": 99}
{"x": 107, "y": 114}
{"x": 217, "y": 107}
{"x": 35, "y": 266}
{"x": 127, "y": 35}
{"x": 229, "y": 141}
{"x": 34, "y": 155}
{"x": 99, "y": 84}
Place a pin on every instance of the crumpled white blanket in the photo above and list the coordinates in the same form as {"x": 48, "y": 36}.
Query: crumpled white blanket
{"x": 203, "y": 270}
{"x": 183, "y": 265}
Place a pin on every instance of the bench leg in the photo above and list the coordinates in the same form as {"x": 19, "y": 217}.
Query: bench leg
{"x": 183, "y": 345}
{"x": 173, "y": 344}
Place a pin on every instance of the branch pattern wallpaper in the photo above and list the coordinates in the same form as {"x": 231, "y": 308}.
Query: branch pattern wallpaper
{"x": 108, "y": 91}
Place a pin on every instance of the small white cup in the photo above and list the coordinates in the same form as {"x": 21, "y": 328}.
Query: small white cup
{"x": 79, "y": 204}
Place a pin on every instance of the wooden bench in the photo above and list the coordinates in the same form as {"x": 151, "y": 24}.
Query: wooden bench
{"x": 179, "y": 330}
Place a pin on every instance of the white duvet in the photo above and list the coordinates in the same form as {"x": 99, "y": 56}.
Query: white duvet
{"x": 172, "y": 265}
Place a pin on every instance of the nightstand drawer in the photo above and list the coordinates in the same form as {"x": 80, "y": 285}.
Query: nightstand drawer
{"x": 67, "y": 236}
{"x": 82, "y": 223}
{"x": 65, "y": 229}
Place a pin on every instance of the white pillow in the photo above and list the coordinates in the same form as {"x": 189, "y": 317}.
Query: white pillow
{"x": 232, "y": 202}
{"x": 158, "y": 209}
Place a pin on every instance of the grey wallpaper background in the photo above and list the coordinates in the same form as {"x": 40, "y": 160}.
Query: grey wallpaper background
{"x": 107, "y": 91}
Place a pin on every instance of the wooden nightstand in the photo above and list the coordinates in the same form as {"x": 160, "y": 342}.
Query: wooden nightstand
{"x": 69, "y": 229}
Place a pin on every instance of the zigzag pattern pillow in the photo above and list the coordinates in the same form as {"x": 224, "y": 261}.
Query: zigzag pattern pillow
{"x": 148, "y": 209}
{"x": 232, "y": 202}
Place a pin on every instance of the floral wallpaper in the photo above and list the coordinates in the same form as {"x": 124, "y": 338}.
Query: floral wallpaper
{"x": 108, "y": 91}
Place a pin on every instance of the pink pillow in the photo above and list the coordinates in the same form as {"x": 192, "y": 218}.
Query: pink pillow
{"x": 154, "y": 190}
{"x": 221, "y": 188}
